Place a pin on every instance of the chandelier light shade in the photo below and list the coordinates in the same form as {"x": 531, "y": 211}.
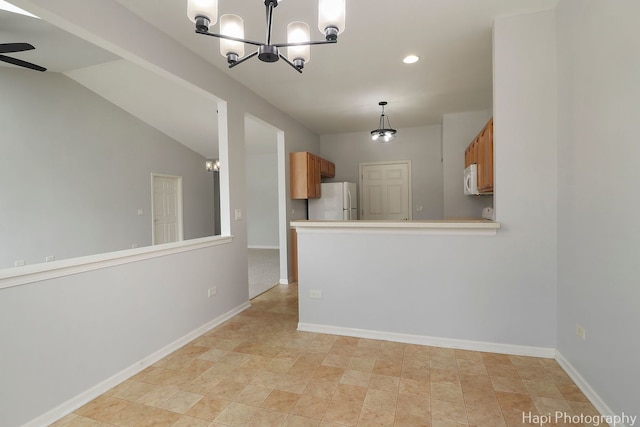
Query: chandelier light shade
{"x": 385, "y": 133}
{"x": 207, "y": 10}
{"x": 231, "y": 26}
{"x": 331, "y": 17}
{"x": 331, "y": 22}
{"x": 298, "y": 32}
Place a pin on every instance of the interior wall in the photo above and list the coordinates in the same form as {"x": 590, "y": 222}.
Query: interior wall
{"x": 262, "y": 204}
{"x": 598, "y": 233}
{"x": 155, "y": 301}
{"x": 458, "y": 130}
{"x": 421, "y": 145}
{"x": 492, "y": 289}
{"x": 74, "y": 182}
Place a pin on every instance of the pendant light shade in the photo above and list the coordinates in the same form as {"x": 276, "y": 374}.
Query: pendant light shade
{"x": 233, "y": 26}
{"x": 204, "y": 13}
{"x": 331, "y": 17}
{"x": 298, "y": 32}
{"x": 385, "y": 133}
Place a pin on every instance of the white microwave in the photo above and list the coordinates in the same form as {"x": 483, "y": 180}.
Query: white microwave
{"x": 471, "y": 180}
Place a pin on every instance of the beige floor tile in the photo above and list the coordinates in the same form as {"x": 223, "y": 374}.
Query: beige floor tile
{"x": 358, "y": 378}
{"x": 371, "y": 417}
{"x": 509, "y": 385}
{"x": 299, "y": 421}
{"x": 236, "y": 414}
{"x": 414, "y": 405}
{"x": 311, "y": 407}
{"x": 414, "y": 387}
{"x": 364, "y": 364}
{"x": 542, "y": 389}
{"x": 267, "y": 418}
{"x": 343, "y": 413}
{"x": 282, "y": 401}
{"x": 447, "y": 392}
{"x": 186, "y": 421}
{"x": 481, "y": 416}
{"x": 319, "y": 388}
{"x": 384, "y": 382}
{"x": 253, "y": 395}
{"x": 207, "y": 408}
{"x": 380, "y": 399}
{"x": 257, "y": 370}
{"x": 350, "y": 393}
{"x": 449, "y": 411}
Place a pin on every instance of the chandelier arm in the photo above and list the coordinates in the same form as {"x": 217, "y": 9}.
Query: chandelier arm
{"x": 235, "y": 39}
{"x": 244, "y": 58}
{"x": 269, "y": 7}
{"x": 308, "y": 43}
{"x": 290, "y": 63}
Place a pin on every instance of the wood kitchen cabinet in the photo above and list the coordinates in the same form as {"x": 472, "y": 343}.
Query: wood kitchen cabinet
{"x": 307, "y": 170}
{"x": 480, "y": 152}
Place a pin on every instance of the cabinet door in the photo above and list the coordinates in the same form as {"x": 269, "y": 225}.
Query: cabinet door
{"x": 327, "y": 168}
{"x": 298, "y": 175}
{"x": 485, "y": 163}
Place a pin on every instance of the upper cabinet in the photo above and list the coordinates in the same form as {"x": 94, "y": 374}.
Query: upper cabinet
{"x": 480, "y": 152}
{"x": 307, "y": 169}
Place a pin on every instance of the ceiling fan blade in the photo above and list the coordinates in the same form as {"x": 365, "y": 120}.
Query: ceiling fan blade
{"x": 15, "y": 47}
{"x": 22, "y": 63}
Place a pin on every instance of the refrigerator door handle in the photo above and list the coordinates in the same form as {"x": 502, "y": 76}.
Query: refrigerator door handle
{"x": 350, "y": 204}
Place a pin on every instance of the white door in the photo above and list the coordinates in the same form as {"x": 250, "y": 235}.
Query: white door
{"x": 385, "y": 191}
{"x": 167, "y": 209}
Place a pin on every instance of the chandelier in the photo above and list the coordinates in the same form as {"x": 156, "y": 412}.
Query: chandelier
{"x": 331, "y": 19}
{"x": 384, "y": 133}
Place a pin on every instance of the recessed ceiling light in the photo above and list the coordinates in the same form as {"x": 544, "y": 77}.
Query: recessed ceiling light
{"x": 11, "y": 8}
{"x": 411, "y": 59}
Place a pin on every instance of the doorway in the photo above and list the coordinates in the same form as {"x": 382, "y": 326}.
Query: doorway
{"x": 385, "y": 191}
{"x": 265, "y": 251}
{"x": 166, "y": 200}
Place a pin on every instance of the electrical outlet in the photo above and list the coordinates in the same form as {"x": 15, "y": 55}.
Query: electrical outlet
{"x": 49, "y": 258}
{"x": 581, "y": 332}
{"x": 315, "y": 294}
{"x": 212, "y": 291}
{"x": 18, "y": 263}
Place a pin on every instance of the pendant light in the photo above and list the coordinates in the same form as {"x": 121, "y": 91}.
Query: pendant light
{"x": 331, "y": 22}
{"x": 384, "y": 133}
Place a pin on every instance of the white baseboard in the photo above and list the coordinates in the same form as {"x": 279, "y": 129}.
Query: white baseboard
{"x": 586, "y": 388}
{"x": 262, "y": 247}
{"x": 518, "y": 350}
{"x": 101, "y": 388}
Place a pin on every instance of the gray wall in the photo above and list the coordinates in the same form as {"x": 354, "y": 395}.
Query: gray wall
{"x": 262, "y": 206}
{"x": 598, "y": 231}
{"x": 498, "y": 289}
{"x": 94, "y": 325}
{"x": 458, "y": 130}
{"x": 76, "y": 169}
{"x": 421, "y": 145}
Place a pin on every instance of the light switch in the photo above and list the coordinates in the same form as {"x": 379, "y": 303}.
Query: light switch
{"x": 238, "y": 214}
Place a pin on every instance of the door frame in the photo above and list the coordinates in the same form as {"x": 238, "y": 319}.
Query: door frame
{"x": 390, "y": 162}
{"x": 180, "y": 216}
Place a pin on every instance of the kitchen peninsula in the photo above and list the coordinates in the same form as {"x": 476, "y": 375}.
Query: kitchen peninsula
{"x": 423, "y": 282}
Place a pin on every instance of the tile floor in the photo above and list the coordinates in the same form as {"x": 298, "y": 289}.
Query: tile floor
{"x": 257, "y": 370}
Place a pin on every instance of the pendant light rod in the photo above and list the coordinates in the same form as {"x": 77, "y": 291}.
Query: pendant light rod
{"x": 204, "y": 13}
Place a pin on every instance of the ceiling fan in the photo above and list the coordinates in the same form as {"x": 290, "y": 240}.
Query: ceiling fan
{"x": 18, "y": 47}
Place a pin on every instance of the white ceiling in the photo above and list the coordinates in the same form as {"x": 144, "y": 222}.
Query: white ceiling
{"x": 341, "y": 86}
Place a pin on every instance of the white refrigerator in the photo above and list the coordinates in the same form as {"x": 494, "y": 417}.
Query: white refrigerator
{"x": 338, "y": 201}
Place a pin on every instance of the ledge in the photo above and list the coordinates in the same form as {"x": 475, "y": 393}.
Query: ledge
{"x": 33, "y": 273}
{"x": 479, "y": 227}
